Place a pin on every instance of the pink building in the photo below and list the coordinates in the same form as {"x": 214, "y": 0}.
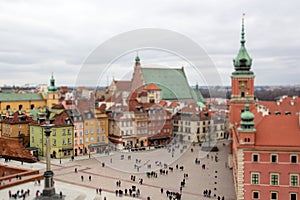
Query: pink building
{"x": 265, "y": 139}
{"x": 78, "y": 132}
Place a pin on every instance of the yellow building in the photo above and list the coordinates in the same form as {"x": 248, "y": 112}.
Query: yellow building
{"x": 11, "y": 102}
{"x": 95, "y": 128}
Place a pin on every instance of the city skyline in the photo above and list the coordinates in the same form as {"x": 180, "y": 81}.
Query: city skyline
{"x": 40, "y": 38}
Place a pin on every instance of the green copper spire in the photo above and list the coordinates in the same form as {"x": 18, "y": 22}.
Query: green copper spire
{"x": 242, "y": 62}
{"x": 52, "y": 86}
{"x": 137, "y": 58}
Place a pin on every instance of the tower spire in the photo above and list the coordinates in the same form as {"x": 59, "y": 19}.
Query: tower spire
{"x": 242, "y": 62}
{"x": 137, "y": 60}
{"x": 243, "y": 31}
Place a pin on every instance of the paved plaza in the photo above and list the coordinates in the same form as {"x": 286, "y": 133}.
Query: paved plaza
{"x": 133, "y": 170}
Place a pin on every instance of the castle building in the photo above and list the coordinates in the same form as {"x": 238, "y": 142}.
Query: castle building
{"x": 265, "y": 144}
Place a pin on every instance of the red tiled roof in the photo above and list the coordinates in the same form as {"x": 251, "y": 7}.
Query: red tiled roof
{"x": 289, "y": 104}
{"x": 174, "y": 104}
{"x": 163, "y": 103}
{"x": 152, "y": 86}
{"x": 278, "y": 130}
{"x": 13, "y": 149}
{"x": 17, "y": 117}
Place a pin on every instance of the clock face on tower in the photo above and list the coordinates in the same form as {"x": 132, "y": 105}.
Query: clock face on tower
{"x": 242, "y": 84}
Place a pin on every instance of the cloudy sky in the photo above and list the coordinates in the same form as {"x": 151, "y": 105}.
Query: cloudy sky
{"x": 41, "y": 37}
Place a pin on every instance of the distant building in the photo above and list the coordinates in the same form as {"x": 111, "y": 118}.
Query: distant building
{"x": 16, "y": 126}
{"x": 25, "y": 102}
{"x": 193, "y": 124}
{"x": 265, "y": 139}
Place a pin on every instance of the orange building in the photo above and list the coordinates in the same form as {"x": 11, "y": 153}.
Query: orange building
{"x": 265, "y": 144}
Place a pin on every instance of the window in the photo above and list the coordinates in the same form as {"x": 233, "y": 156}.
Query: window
{"x": 32, "y": 139}
{"x": 64, "y": 141}
{"x": 294, "y": 179}
{"x": 294, "y": 158}
{"x": 81, "y": 141}
{"x": 69, "y": 141}
{"x": 54, "y": 142}
{"x": 254, "y": 178}
{"x": 274, "y": 158}
{"x": 64, "y": 132}
{"x": 274, "y": 179}
{"x": 86, "y": 139}
{"x": 274, "y": 196}
{"x": 255, "y": 194}
{"x": 254, "y": 157}
{"x": 293, "y": 196}
{"x": 69, "y": 131}
{"x": 54, "y": 132}
{"x": 19, "y": 126}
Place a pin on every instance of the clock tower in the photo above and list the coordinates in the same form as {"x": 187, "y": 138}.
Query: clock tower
{"x": 242, "y": 81}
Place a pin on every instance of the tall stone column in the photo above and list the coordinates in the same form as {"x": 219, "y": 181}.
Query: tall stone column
{"x": 49, "y": 189}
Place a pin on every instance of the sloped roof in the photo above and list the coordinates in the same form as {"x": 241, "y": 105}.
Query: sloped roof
{"x": 152, "y": 86}
{"x": 20, "y": 97}
{"x": 13, "y": 149}
{"x": 172, "y": 82}
{"x": 123, "y": 85}
{"x": 278, "y": 130}
{"x": 18, "y": 118}
{"x": 283, "y": 105}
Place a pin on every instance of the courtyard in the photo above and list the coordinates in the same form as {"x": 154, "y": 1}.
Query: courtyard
{"x": 150, "y": 172}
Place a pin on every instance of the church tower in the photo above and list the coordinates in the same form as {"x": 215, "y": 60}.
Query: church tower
{"x": 242, "y": 81}
{"x": 137, "y": 78}
{"x": 52, "y": 94}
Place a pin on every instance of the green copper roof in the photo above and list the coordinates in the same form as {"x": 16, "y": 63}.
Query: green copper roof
{"x": 137, "y": 58}
{"x": 247, "y": 117}
{"x": 173, "y": 82}
{"x": 19, "y": 97}
{"x": 242, "y": 61}
{"x": 197, "y": 94}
